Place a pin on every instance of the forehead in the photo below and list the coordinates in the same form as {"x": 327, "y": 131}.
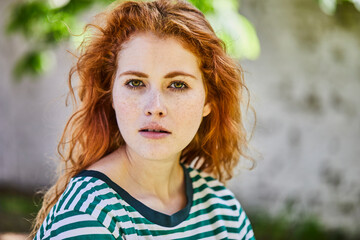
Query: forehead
{"x": 148, "y": 47}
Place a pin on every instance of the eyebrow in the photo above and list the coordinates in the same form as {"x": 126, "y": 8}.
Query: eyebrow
{"x": 135, "y": 73}
{"x": 169, "y": 75}
{"x": 179, "y": 73}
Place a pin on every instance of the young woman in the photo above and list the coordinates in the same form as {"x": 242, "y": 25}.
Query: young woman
{"x": 157, "y": 131}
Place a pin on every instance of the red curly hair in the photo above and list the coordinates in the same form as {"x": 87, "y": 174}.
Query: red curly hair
{"x": 92, "y": 131}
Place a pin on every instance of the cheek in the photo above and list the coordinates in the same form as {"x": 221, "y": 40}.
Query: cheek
{"x": 190, "y": 109}
{"x": 125, "y": 106}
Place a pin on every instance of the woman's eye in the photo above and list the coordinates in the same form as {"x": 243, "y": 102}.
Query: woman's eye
{"x": 133, "y": 83}
{"x": 178, "y": 85}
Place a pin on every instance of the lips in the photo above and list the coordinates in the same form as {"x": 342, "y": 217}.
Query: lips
{"x": 154, "y": 127}
{"x": 154, "y": 131}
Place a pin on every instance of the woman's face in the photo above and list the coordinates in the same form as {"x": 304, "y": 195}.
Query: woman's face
{"x": 158, "y": 96}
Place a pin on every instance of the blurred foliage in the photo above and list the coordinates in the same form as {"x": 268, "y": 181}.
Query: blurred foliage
{"x": 281, "y": 227}
{"x": 329, "y": 6}
{"x": 17, "y": 210}
{"x": 46, "y": 23}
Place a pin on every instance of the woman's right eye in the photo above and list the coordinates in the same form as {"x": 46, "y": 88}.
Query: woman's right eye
{"x": 134, "y": 83}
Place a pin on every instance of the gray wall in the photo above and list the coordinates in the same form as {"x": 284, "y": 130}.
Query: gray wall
{"x": 32, "y": 114}
{"x": 305, "y": 88}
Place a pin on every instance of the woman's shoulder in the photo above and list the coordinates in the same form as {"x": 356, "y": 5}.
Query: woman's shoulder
{"x": 85, "y": 193}
{"x": 213, "y": 199}
{"x": 204, "y": 179}
{"x": 84, "y": 202}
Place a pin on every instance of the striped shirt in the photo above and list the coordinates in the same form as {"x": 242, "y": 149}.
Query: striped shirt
{"x": 94, "y": 207}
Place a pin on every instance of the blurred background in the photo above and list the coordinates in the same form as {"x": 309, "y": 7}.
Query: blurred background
{"x": 302, "y": 66}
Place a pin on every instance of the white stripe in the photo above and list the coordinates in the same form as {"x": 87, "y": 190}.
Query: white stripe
{"x": 212, "y": 201}
{"x": 109, "y": 215}
{"x": 212, "y": 183}
{"x": 244, "y": 229}
{"x": 37, "y": 237}
{"x": 194, "y": 231}
{"x": 249, "y": 235}
{"x": 80, "y": 194}
{"x": 200, "y": 218}
{"x": 242, "y": 217}
{"x": 108, "y": 219}
{"x": 222, "y": 235}
{"x": 102, "y": 204}
{"x": 204, "y": 175}
{"x": 206, "y": 191}
{"x": 69, "y": 220}
{"x": 70, "y": 195}
{"x": 82, "y": 231}
{"x": 124, "y": 225}
{"x": 134, "y": 236}
{"x": 91, "y": 198}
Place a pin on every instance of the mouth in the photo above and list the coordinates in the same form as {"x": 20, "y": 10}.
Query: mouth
{"x": 154, "y": 130}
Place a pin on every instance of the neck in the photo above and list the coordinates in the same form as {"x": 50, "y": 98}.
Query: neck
{"x": 159, "y": 184}
{"x": 160, "y": 178}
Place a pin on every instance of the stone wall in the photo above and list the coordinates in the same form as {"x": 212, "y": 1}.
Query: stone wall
{"x": 306, "y": 91}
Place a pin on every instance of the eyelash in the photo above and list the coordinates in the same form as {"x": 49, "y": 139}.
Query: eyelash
{"x": 130, "y": 85}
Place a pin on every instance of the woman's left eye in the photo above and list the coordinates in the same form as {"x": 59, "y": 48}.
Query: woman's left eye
{"x": 178, "y": 85}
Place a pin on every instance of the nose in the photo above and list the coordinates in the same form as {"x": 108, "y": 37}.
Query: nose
{"x": 155, "y": 105}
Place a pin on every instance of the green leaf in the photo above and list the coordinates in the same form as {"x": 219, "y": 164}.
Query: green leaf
{"x": 238, "y": 34}
{"x": 25, "y": 16}
{"x": 205, "y": 6}
{"x": 33, "y": 63}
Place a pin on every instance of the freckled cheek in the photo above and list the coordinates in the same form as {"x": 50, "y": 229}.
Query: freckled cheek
{"x": 126, "y": 107}
{"x": 190, "y": 109}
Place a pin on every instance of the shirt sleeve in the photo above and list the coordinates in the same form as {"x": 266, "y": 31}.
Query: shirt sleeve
{"x": 246, "y": 231}
{"x": 75, "y": 225}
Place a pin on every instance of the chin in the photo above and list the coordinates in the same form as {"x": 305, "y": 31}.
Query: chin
{"x": 157, "y": 152}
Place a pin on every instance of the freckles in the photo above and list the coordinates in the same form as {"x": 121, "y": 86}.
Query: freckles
{"x": 126, "y": 106}
{"x": 190, "y": 108}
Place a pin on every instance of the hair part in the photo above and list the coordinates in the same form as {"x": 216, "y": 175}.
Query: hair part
{"x": 92, "y": 131}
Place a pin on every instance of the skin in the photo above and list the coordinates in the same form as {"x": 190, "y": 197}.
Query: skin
{"x": 158, "y": 83}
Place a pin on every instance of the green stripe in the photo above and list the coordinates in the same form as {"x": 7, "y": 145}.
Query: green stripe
{"x": 194, "y": 226}
{"x": 212, "y": 233}
{"x": 208, "y": 210}
{"x": 41, "y": 231}
{"x": 195, "y": 178}
{"x": 139, "y": 220}
{"x": 129, "y": 208}
{"x": 209, "y": 179}
{"x": 206, "y": 186}
{"x": 76, "y": 225}
{"x": 95, "y": 201}
{"x": 68, "y": 190}
{"x": 75, "y": 194}
{"x": 213, "y": 196}
{"x": 93, "y": 237}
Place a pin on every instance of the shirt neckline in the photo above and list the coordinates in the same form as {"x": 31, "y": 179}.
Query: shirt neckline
{"x": 150, "y": 214}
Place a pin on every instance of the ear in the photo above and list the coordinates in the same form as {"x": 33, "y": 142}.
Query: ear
{"x": 206, "y": 110}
